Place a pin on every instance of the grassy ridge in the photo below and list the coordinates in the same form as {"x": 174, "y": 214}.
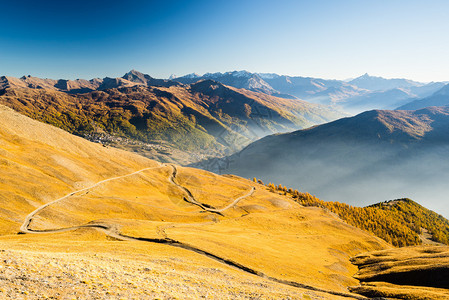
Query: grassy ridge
{"x": 399, "y": 222}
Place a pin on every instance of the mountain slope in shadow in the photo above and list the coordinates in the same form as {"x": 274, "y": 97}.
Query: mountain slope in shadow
{"x": 376, "y": 155}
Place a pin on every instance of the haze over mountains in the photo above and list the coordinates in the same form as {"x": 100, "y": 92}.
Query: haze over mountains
{"x": 193, "y": 118}
{"x": 199, "y": 119}
{"x": 439, "y": 98}
{"x": 359, "y": 160}
{"x": 363, "y": 93}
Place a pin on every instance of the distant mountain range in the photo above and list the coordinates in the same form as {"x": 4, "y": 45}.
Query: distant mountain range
{"x": 363, "y": 93}
{"x": 131, "y": 78}
{"x": 374, "y": 83}
{"x": 357, "y": 95}
{"x": 358, "y": 160}
{"x": 191, "y": 121}
{"x": 439, "y": 98}
{"x": 238, "y": 79}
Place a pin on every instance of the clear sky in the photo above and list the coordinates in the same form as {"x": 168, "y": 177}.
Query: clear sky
{"x": 319, "y": 38}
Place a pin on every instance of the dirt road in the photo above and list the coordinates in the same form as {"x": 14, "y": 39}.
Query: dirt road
{"x": 113, "y": 231}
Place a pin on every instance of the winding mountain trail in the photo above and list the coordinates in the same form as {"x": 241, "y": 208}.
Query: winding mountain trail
{"x": 112, "y": 230}
{"x": 234, "y": 203}
{"x": 191, "y": 199}
{"x": 28, "y": 219}
{"x": 189, "y": 196}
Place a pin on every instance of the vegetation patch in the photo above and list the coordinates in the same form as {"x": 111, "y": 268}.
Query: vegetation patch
{"x": 399, "y": 222}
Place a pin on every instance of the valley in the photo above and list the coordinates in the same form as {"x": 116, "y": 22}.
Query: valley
{"x": 64, "y": 189}
{"x": 293, "y": 150}
{"x": 218, "y": 218}
{"x": 96, "y": 202}
{"x": 166, "y": 121}
{"x": 372, "y": 157}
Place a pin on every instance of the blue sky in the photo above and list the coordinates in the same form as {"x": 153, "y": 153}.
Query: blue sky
{"x": 328, "y": 39}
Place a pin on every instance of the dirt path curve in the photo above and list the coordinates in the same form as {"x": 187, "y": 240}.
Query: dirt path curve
{"x": 191, "y": 199}
{"x": 189, "y": 196}
{"x": 29, "y": 218}
{"x": 234, "y": 203}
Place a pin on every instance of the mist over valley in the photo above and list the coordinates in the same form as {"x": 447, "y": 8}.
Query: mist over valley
{"x": 224, "y": 150}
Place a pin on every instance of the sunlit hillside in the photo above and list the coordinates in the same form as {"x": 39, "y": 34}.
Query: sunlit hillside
{"x": 406, "y": 273}
{"x": 86, "y": 204}
{"x": 169, "y": 122}
{"x": 401, "y": 222}
{"x": 224, "y": 150}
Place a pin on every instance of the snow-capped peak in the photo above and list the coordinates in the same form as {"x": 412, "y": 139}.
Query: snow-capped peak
{"x": 189, "y": 76}
{"x": 243, "y": 73}
{"x": 268, "y": 75}
{"x": 192, "y": 75}
{"x": 212, "y": 75}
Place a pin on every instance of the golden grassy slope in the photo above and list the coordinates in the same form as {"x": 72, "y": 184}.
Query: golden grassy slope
{"x": 400, "y": 222}
{"x": 266, "y": 233}
{"x": 39, "y": 163}
{"x": 64, "y": 267}
{"x": 408, "y": 273}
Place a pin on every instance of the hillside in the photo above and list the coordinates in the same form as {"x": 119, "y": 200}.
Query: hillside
{"x": 173, "y": 124}
{"x": 120, "y": 225}
{"x": 374, "y": 156}
{"x": 410, "y": 273}
{"x": 401, "y": 222}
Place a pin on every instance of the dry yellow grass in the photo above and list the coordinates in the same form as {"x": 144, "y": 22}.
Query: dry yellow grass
{"x": 40, "y": 163}
{"x": 392, "y": 291}
{"x": 415, "y": 273}
{"x": 86, "y": 265}
{"x": 263, "y": 233}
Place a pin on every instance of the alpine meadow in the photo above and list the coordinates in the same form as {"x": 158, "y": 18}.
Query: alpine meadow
{"x": 224, "y": 149}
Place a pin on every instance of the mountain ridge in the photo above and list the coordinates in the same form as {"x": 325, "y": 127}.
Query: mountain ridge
{"x": 357, "y": 160}
{"x": 201, "y": 118}
{"x": 362, "y": 93}
{"x": 132, "y": 78}
{"x": 439, "y": 98}
{"x": 379, "y": 83}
